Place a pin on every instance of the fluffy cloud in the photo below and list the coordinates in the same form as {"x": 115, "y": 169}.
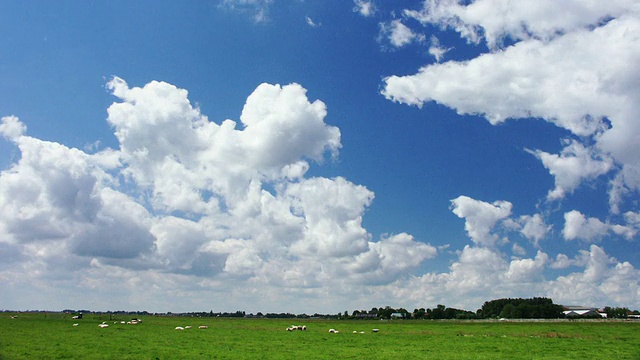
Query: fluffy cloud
{"x": 186, "y": 198}
{"x": 577, "y": 226}
{"x": 574, "y": 165}
{"x": 532, "y": 78}
{"x": 364, "y": 8}
{"x": 398, "y": 34}
{"x": 481, "y": 273}
{"x": 480, "y": 217}
{"x": 11, "y": 128}
{"x": 534, "y": 227}
{"x": 603, "y": 280}
{"x": 567, "y": 69}
{"x": 436, "y": 50}
{"x": 495, "y": 20}
{"x": 174, "y": 150}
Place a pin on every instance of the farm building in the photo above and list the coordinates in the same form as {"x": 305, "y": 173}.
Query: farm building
{"x": 583, "y": 312}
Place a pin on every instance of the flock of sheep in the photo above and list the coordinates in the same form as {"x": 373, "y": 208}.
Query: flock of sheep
{"x": 189, "y": 327}
{"x": 334, "y": 331}
{"x": 290, "y": 328}
{"x": 105, "y": 325}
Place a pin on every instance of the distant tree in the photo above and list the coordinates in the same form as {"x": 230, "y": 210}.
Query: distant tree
{"x": 521, "y": 308}
{"x": 386, "y": 312}
{"x": 616, "y": 312}
{"x": 419, "y": 313}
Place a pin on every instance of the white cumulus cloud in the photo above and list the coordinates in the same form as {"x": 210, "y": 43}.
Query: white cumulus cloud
{"x": 364, "y": 8}
{"x": 480, "y": 217}
{"x": 574, "y": 165}
{"x": 398, "y": 34}
{"x": 186, "y": 205}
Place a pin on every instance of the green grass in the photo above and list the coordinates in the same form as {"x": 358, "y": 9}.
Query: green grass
{"x": 52, "y": 336}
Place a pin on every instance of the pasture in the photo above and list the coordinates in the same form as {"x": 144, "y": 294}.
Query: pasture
{"x": 53, "y": 336}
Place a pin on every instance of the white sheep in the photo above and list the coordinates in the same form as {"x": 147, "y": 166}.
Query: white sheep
{"x": 103, "y": 325}
{"x": 375, "y": 330}
{"x": 179, "y": 328}
{"x": 203, "y": 327}
{"x": 76, "y": 324}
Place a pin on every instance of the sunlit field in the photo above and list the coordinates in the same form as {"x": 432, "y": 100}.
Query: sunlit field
{"x": 54, "y": 336}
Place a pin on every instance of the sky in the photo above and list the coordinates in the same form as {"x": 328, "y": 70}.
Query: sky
{"x": 312, "y": 156}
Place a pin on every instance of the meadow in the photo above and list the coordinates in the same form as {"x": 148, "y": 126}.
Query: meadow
{"x": 53, "y": 336}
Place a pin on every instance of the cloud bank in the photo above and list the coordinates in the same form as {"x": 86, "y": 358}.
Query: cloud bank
{"x": 198, "y": 213}
{"x": 568, "y": 66}
{"x": 186, "y": 204}
{"x": 565, "y": 63}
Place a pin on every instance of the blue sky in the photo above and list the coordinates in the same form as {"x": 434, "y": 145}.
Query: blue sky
{"x": 313, "y": 156}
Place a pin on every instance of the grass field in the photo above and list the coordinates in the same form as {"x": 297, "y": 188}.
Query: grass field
{"x": 53, "y": 336}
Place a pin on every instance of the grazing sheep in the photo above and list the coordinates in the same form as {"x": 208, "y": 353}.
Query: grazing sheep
{"x": 103, "y": 325}
{"x": 188, "y": 327}
{"x": 179, "y": 328}
{"x": 375, "y": 330}
{"x": 203, "y": 327}
{"x": 297, "y": 327}
{"x": 333, "y": 331}
{"x": 75, "y": 324}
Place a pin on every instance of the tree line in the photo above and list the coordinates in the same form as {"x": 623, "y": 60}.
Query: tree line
{"x": 509, "y": 308}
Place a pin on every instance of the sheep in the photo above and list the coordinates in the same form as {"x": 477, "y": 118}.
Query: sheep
{"x": 375, "y": 330}
{"x": 333, "y": 331}
{"x": 103, "y": 325}
{"x": 203, "y": 327}
{"x": 188, "y": 327}
{"x": 179, "y": 328}
{"x": 76, "y": 324}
